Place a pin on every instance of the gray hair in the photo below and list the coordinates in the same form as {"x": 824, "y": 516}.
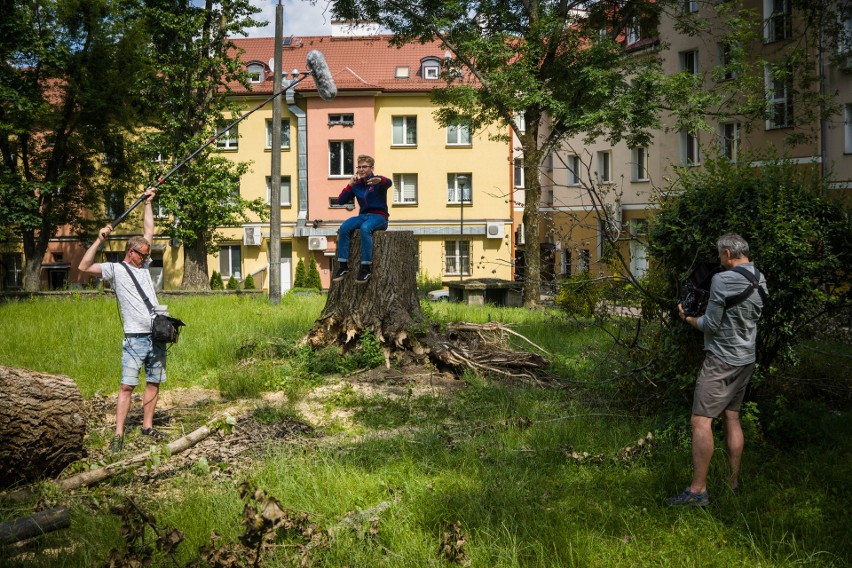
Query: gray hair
{"x": 734, "y": 243}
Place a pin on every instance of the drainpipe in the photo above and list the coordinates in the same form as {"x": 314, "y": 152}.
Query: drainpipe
{"x": 302, "y": 149}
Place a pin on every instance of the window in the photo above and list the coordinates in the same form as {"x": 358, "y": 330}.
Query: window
{"x": 285, "y": 190}
{"x": 228, "y": 140}
{"x": 583, "y": 260}
{"x": 404, "y": 189}
{"x": 402, "y": 72}
{"x": 727, "y": 62}
{"x": 847, "y": 128}
{"x": 431, "y": 71}
{"x": 689, "y": 6}
{"x": 12, "y": 270}
{"x": 604, "y": 167}
{"x": 230, "y": 262}
{"x": 457, "y": 257}
{"x": 730, "y": 140}
{"x": 114, "y": 203}
{"x": 333, "y": 204}
{"x": 404, "y": 130}
{"x": 454, "y": 188}
{"x": 690, "y": 155}
{"x": 573, "y": 170}
{"x": 458, "y": 134}
{"x": 285, "y": 133}
{"x": 779, "y": 92}
{"x": 689, "y": 61}
{"x": 255, "y": 73}
{"x": 159, "y": 209}
{"x": 521, "y": 122}
{"x": 640, "y": 164}
{"x": 346, "y": 119}
{"x": 341, "y": 158}
{"x": 778, "y": 18}
{"x": 566, "y": 262}
{"x": 519, "y": 172}
{"x": 634, "y": 32}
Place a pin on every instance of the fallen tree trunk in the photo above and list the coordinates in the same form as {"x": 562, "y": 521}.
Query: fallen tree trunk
{"x": 42, "y": 424}
{"x": 34, "y": 525}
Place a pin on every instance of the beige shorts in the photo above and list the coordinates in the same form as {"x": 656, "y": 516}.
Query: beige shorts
{"x": 719, "y": 387}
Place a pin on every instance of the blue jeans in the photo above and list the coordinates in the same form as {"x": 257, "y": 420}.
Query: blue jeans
{"x": 138, "y": 352}
{"x": 367, "y": 223}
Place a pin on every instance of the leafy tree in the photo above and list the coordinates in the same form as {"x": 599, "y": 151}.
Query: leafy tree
{"x": 314, "y": 280}
{"x": 216, "y": 281}
{"x": 248, "y": 283}
{"x": 195, "y": 63}
{"x": 301, "y": 279}
{"x": 71, "y": 85}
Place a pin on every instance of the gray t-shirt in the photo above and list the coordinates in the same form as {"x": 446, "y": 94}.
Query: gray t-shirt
{"x": 134, "y": 312}
{"x": 731, "y": 334}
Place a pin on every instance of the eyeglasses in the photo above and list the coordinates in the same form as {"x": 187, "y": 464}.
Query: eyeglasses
{"x": 364, "y": 167}
{"x": 143, "y": 255}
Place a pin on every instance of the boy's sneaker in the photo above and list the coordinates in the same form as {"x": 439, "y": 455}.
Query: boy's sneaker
{"x": 156, "y": 435}
{"x": 689, "y": 499}
{"x": 363, "y": 274}
{"x": 116, "y": 444}
{"x": 341, "y": 271}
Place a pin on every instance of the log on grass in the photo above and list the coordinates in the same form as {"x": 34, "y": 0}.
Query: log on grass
{"x": 42, "y": 424}
{"x": 34, "y": 525}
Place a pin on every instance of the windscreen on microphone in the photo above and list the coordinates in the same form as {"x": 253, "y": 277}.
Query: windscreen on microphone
{"x": 322, "y": 76}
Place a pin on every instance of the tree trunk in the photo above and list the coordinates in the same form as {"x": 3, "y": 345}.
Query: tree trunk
{"x": 41, "y": 425}
{"x": 195, "y": 266}
{"x": 36, "y": 524}
{"x": 387, "y": 304}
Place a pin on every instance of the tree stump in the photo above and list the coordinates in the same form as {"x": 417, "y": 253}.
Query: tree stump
{"x": 42, "y": 425}
{"x": 386, "y": 304}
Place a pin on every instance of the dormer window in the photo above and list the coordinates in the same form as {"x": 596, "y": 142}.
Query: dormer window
{"x": 256, "y": 72}
{"x": 402, "y": 72}
{"x": 430, "y": 67}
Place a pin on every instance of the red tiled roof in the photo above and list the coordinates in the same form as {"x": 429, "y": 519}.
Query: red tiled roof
{"x": 363, "y": 63}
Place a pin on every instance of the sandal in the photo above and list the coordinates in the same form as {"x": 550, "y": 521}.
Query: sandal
{"x": 155, "y": 434}
{"x": 689, "y": 499}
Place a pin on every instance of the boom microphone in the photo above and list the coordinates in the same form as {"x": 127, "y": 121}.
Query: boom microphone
{"x": 322, "y": 76}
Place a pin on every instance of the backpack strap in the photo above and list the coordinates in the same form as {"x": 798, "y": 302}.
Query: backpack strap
{"x": 754, "y": 280}
{"x": 148, "y": 303}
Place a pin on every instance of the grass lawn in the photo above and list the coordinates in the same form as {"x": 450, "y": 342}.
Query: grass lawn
{"x": 391, "y": 471}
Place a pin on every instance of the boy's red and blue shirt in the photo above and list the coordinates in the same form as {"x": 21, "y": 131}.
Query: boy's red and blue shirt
{"x": 371, "y": 198}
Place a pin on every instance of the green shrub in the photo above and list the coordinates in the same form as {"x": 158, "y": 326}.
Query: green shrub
{"x": 233, "y": 284}
{"x": 426, "y": 284}
{"x": 579, "y": 295}
{"x": 313, "y": 278}
{"x": 248, "y": 283}
{"x": 301, "y": 278}
{"x": 216, "y": 281}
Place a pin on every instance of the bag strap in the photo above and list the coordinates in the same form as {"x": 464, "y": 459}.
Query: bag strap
{"x": 754, "y": 280}
{"x": 139, "y": 288}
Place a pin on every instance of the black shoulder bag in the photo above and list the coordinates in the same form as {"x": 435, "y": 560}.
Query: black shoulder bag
{"x": 754, "y": 279}
{"x": 164, "y": 329}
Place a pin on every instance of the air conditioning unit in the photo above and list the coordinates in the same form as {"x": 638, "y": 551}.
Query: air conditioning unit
{"x": 520, "y": 239}
{"x": 252, "y": 236}
{"x": 494, "y": 230}
{"x": 317, "y": 243}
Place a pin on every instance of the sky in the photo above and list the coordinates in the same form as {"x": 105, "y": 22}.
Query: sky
{"x": 301, "y": 18}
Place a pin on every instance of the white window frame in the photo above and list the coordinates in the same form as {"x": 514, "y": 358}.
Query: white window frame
{"x": 227, "y": 254}
{"x": 690, "y": 62}
{"x": 402, "y": 72}
{"x": 453, "y": 193}
{"x": 405, "y": 189}
{"x": 689, "y": 6}
{"x": 457, "y": 263}
{"x": 521, "y": 121}
{"x": 519, "y": 173}
{"x": 604, "y": 166}
{"x": 230, "y": 140}
{"x": 573, "y": 163}
{"x": 690, "y": 143}
{"x": 773, "y": 19}
{"x": 13, "y": 262}
{"x": 284, "y": 197}
{"x": 285, "y": 133}
{"x": 779, "y": 95}
{"x": 256, "y": 72}
{"x": 346, "y": 147}
{"x": 343, "y": 119}
{"x": 565, "y": 262}
{"x": 431, "y": 71}
{"x": 634, "y": 32}
{"x": 159, "y": 210}
{"x": 729, "y": 140}
{"x": 640, "y": 164}
{"x": 403, "y": 128}
{"x": 459, "y": 134}
{"x": 725, "y": 61}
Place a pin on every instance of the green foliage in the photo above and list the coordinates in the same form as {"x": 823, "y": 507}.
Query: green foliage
{"x": 798, "y": 239}
{"x": 248, "y": 283}
{"x": 301, "y": 278}
{"x": 426, "y": 284}
{"x": 216, "y": 281}
{"x": 233, "y": 283}
{"x": 579, "y": 295}
{"x": 313, "y": 278}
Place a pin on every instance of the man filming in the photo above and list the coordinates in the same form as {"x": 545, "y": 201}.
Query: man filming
{"x": 737, "y": 297}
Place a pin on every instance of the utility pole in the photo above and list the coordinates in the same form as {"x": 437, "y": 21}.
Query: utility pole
{"x": 275, "y": 177}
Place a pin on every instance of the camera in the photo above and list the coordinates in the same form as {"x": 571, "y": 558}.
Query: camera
{"x": 693, "y": 300}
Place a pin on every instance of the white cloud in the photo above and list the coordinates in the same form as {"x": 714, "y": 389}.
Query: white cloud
{"x": 301, "y": 18}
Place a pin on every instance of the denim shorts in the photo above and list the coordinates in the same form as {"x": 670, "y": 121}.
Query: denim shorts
{"x": 137, "y": 352}
{"x": 720, "y": 387}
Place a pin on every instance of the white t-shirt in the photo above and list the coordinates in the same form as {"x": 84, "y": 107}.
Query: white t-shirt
{"x": 134, "y": 312}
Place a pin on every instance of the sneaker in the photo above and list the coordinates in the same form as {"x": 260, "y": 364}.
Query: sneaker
{"x": 156, "y": 435}
{"x": 116, "y": 444}
{"x": 341, "y": 271}
{"x": 689, "y": 499}
{"x": 363, "y": 274}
